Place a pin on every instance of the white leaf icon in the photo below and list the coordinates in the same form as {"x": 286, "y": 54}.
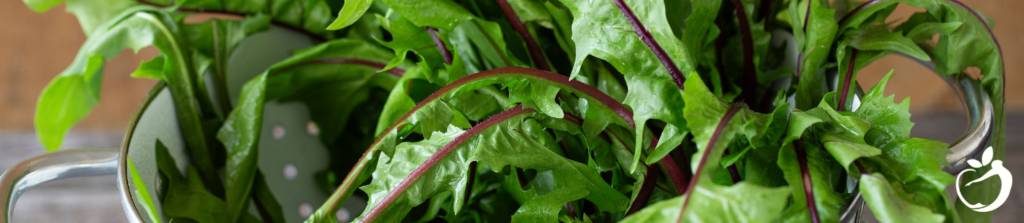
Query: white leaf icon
{"x": 986, "y": 157}
{"x": 974, "y": 163}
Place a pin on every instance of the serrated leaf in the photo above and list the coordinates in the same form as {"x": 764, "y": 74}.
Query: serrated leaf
{"x": 497, "y": 145}
{"x": 600, "y": 29}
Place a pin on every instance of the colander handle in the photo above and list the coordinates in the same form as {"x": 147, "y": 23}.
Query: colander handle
{"x": 52, "y": 166}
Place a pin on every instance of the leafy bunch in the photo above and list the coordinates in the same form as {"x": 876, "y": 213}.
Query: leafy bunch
{"x": 547, "y": 111}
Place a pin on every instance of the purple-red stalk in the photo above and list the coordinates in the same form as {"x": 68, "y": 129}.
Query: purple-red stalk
{"x": 847, "y": 80}
{"x": 440, "y": 45}
{"x": 707, "y": 153}
{"x": 805, "y": 176}
{"x": 800, "y": 56}
{"x": 734, "y": 174}
{"x": 262, "y": 209}
{"x": 620, "y": 110}
{"x": 441, "y": 154}
{"x": 807, "y": 17}
{"x": 647, "y": 38}
{"x": 644, "y": 193}
{"x": 571, "y": 210}
{"x": 765, "y": 10}
{"x": 535, "y": 52}
{"x": 472, "y": 180}
{"x": 749, "y": 71}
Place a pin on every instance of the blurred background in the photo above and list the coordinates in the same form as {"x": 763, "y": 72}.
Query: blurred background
{"x": 34, "y": 47}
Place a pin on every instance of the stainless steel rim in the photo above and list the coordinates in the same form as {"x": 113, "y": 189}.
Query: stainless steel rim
{"x": 122, "y": 168}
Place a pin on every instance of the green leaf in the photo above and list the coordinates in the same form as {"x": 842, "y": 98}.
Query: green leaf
{"x": 531, "y": 87}
{"x": 701, "y": 20}
{"x": 879, "y": 37}
{"x": 241, "y": 135}
{"x": 869, "y": 15}
{"x": 919, "y": 159}
{"x": 350, "y": 13}
{"x": 842, "y": 134}
{"x": 427, "y": 115}
{"x": 848, "y": 149}
{"x": 323, "y": 69}
{"x": 666, "y": 145}
{"x": 186, "y": 196}
{"x": 815, "y": 46}
{"x": 497, "y": 146}
{"x": 925, "y": 31}
{"x": 333, "y": 68}
{"x": 311, "y": 16}
{"x": 890, "y": 122}
{"x": 152, "y": 69}
{"x": 531, "y": 11}
{"x": 600, "y": 29}
{"x": 399, "y": 102}
{"x": 743, "y": 202}
{"x": 478, "y": 105}
{"x": 972, "y": 45}
{"x": 486, "y": 37}
{"x": 704, "y": 111}
{"x": 70, "y": 96}
{"x": 392, "y": 170}
{"x": 828, "y": 202}
{"x": 212, "y": 43}
{"x": 140, "y": 189}
{"x": 410, "y": 37}
{"x": 441, "y": 14}
{"x": 66, "y": 100}
{"x": 886, "y": 202}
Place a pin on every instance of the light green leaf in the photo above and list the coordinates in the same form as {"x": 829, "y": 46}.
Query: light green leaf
{"x": 890, "y": 122}
{"x": 71, "y": 95}
{"x": 743, "y": 202}
{"x": 441, "y": 14}
{"x": 600, "y": 29}
{"x": 241, "y": 135}
{"x": 350, "y": 13}
{"x": 152, "y": 69}
{"x": 886, "y": 202}
{"x": 815, "y": 45}
{"x": 879, "y": 37}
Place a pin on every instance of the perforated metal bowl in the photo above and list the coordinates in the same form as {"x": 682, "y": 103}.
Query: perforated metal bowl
{"x": 290, "y": 153}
